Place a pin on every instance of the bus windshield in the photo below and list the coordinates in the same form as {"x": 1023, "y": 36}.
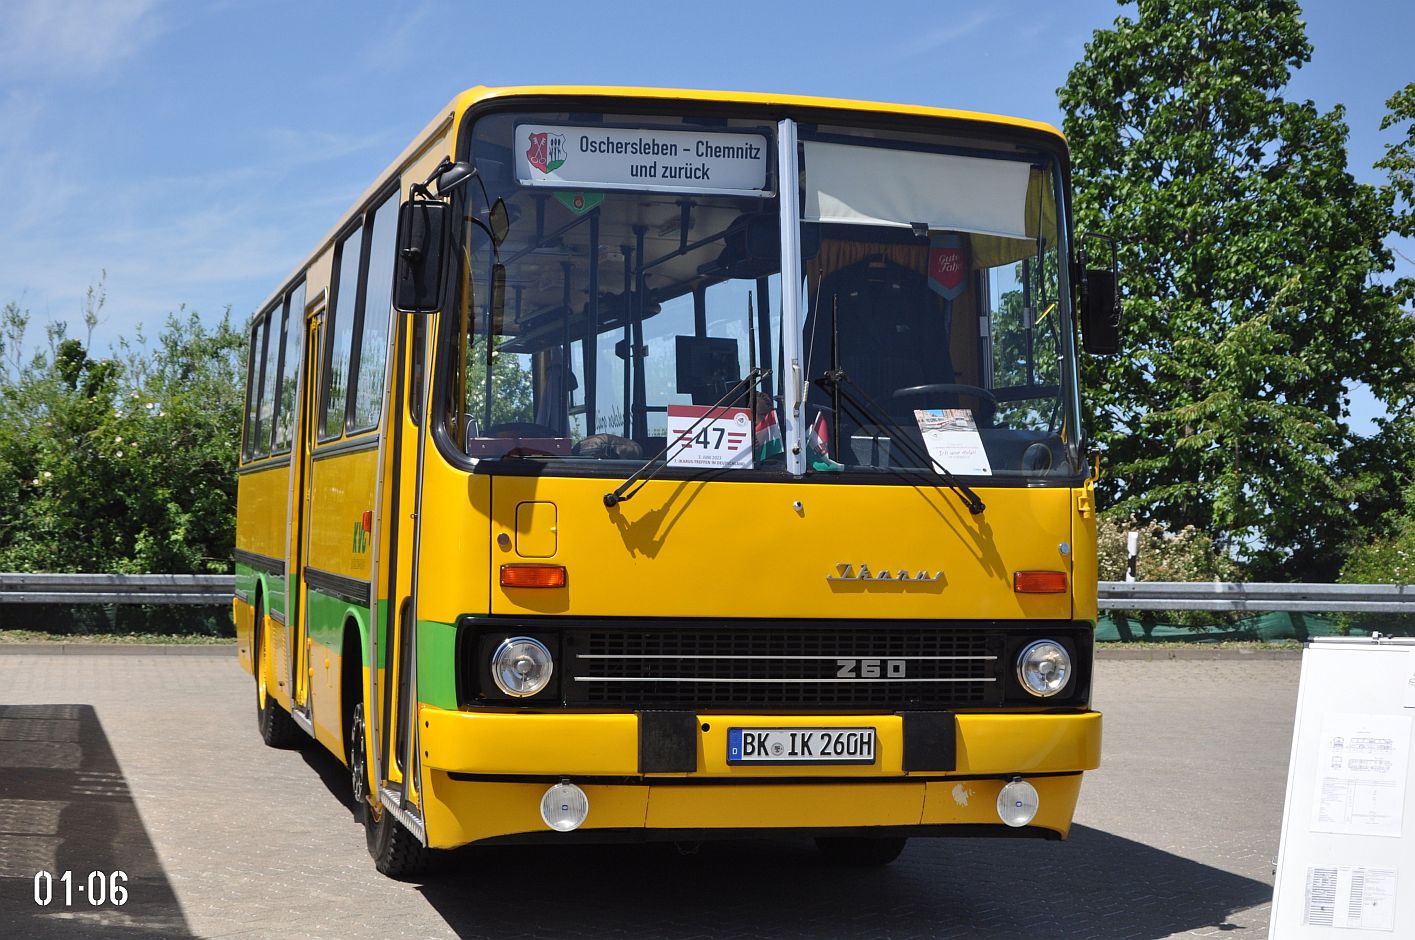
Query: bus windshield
{"x": 643, "y": 283}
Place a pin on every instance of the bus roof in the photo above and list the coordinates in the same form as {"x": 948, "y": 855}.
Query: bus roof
{"x": 481, "y": 93}
{"x": 472, "y": 96}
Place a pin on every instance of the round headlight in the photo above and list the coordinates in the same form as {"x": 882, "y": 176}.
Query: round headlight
{"x": 521, "y": 666}
{"x": 1017, "y": 803}
{"x": 564, "y": 806}
{"x": 1044, "y": 668}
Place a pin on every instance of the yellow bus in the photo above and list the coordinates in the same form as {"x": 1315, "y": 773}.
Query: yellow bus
{"x": 643, "y": 464}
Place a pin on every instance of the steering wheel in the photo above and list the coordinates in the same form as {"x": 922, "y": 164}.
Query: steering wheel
{"x": 945, "y": 388}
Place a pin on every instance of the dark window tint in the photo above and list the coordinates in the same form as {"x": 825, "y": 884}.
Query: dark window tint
{"x": 253, "y": 360}
{"x": 265, "y": 416}
{"x": 260, "y": 415}
{"x": 372, "y": 356}
{"x": 290, "y": 369}
{"x": 341, "y": 334}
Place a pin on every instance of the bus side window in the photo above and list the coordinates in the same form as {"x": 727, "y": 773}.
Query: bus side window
{"x": 289, "y": 370}
{"x": 253, "y": 361}
{"x": 264, "y": 406}
{"x": 343, "y": 293}
{"x": 371, "y": 352}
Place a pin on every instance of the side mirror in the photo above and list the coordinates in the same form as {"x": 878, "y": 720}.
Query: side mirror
{"x": 499, "y": 221}
{"x": 422, "y": 247}
{"x": 1100, "y": 302}
{"x": 452, "y": 175}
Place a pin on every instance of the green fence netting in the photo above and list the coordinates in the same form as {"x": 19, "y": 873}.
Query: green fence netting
{"x": 1152, "y": 626}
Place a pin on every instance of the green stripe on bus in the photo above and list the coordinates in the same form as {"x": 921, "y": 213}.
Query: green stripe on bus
{"x": 437, "y": 664}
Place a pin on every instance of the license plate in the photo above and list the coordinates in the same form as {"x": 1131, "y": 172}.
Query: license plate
{"x": 800, "y": 745}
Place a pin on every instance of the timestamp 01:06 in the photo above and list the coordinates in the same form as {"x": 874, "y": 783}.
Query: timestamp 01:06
{"x": 98, "y": 888}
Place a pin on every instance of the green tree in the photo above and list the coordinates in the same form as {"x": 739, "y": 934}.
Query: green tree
{"x": 1248, "y": 253}
{"x": 1399, "y": 159}
{"x": 1386, "y": 555}
{"x": 122, "y": 463}
{"x": 1186, "y": 555}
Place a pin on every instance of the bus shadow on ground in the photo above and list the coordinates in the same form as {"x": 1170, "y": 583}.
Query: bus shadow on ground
{"x": 1096, "y": 884}
{"x": 65, "y": 807}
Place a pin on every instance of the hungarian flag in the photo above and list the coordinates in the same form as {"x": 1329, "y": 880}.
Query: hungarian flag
{"x": 768, "y": 437}
{"x": 818, "y": 446}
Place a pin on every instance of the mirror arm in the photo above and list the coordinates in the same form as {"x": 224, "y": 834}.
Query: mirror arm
{"x": 421, "y": 189}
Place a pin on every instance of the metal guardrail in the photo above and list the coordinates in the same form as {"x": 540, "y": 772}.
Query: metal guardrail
{"x": 212, "y": 589}
{"x": 1258, "y": 596}
{"x": 208, "y": 589}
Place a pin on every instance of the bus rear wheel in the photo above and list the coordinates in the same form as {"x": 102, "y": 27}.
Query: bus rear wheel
{"x": 396, "y": 852}
{"x": 861, "y": 851}
{"x": 277, "y": 728}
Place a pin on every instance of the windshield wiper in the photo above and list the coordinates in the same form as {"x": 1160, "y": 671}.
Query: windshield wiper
{"x": 835, "y": 382}
{"x": 716, "y": 411}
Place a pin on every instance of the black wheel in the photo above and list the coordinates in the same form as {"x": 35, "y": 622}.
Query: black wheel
{"x": 396, "y": 852}
{"x": 277, "y": 728}
{"x": 861, "y": 851}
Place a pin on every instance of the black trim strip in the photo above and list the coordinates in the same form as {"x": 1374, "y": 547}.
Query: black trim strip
{"x": 668, "y": 742}
{"x": 348, "y": 445}
{"x": 241, "y": 596}
{"x": 267, "y": 563}
{"x": 589, "y": 468}
{"x": 636, "y": 781}
{"x": 942, "y": 830}
{"x": 276, "y": 616}
{"x": 266, "y": 463}
{"x": 341, "y": 586}
{"x": 930, "y": 741}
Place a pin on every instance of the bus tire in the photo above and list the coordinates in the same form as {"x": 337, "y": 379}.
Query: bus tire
{"x": 396, "y": 852}
{"x": 277, "y": 728}
{"x": 861, "y": 851}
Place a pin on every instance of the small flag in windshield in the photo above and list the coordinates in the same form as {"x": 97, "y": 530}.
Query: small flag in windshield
{"x": 768, "y": 437}
{"x": 818, "y": 446}
{"x": 948, "y": 266}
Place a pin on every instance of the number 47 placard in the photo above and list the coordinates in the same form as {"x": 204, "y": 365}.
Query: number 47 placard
{"x": 722, "y": 439}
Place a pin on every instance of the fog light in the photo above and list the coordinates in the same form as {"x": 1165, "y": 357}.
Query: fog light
{"x": 1017, "y": 803}
{"x": 1044, "y": 668}
{"x": 521, "y": 666}
{"x": 565, "y": 806}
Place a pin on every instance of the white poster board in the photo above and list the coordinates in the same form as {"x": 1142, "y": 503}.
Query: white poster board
{"x": 1346, "y": 863}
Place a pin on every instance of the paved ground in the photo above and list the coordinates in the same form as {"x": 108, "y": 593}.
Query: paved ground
{"x": 151, "y": 764}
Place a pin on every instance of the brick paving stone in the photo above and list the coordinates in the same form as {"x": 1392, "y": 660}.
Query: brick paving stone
{"x": 222, "y": 837}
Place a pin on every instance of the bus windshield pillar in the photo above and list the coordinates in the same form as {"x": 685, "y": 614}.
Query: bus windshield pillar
{"x": 792, "y": 381}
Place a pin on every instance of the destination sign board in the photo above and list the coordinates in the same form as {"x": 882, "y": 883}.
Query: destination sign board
{"x": 709, "y": 162}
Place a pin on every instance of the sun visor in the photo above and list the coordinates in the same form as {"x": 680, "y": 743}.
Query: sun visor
{"x": 878, "y": 186}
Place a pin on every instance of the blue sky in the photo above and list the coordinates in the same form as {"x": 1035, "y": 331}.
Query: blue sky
{"x": 196, "y": 151}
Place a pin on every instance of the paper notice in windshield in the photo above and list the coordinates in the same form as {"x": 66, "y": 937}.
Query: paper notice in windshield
{"x": 1353, "y": 898}
{"x": 1360, "y": 780}
{"x": 699, "y": 436}
{"x": 640, "y": 158}
{"x": 951, "y": 436}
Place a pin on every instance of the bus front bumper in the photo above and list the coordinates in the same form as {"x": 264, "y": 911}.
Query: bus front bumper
{"x": 486, "y": 773}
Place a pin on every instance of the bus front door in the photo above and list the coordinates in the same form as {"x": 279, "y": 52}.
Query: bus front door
{"x": 396, "y": 693}
{"x": 300, "y": 499}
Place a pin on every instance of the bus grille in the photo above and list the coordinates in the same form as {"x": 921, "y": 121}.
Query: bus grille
{"x": 878, "y": 667}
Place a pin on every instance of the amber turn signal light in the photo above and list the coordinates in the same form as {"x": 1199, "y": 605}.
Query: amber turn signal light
{"x": 533, "y": 576}
{"x": 1039, "y": 582}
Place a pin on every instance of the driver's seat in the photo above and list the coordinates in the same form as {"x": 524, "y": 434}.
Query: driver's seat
{"x": 894, "y": 333}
